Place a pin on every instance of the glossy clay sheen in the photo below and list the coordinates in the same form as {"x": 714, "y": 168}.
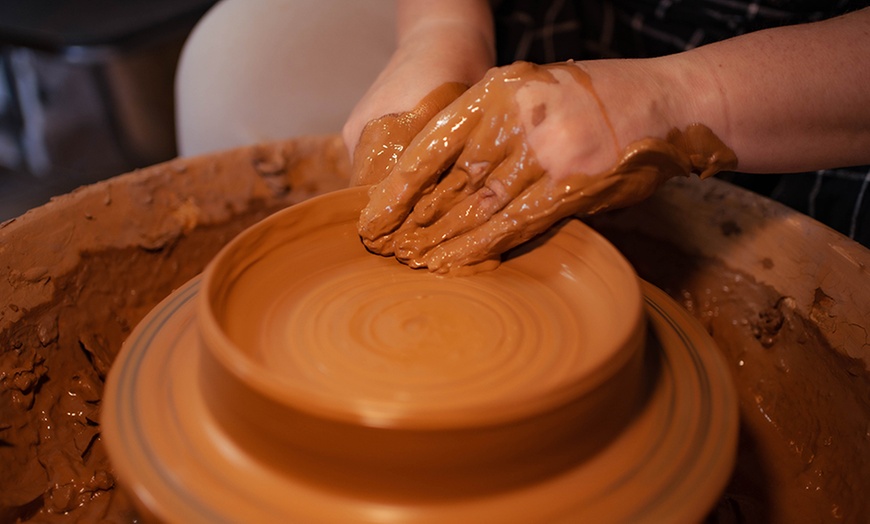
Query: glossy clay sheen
{"x": 384, "y": 139}
{"x": 428, "y": 224}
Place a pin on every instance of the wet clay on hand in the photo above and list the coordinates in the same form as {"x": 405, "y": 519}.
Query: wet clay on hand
{"x": 489, "y": 173}
{"x": 383, "y": 139}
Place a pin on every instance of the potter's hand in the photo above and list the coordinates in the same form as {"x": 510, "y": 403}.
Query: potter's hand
{"x": 383, "y": 139}
{"x": 443, "y": 47}
{"x": 520, "y": 150}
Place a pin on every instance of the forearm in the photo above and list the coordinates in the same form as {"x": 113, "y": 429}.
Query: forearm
{"x": 788, "y": 99}
{"x": 438, "y": 42}
{"x": 454, "y": 35}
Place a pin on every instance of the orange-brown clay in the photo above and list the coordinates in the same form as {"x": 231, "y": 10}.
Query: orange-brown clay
{"x": 739, "y": 264}
{"x": 303, "y": 366}
{"x": 383, "y": 140}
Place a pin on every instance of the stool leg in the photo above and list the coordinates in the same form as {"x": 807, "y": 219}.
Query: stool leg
{"x": 25, "y": 84}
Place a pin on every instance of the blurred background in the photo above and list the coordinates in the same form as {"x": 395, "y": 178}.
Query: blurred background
{"x": 86, "y": 91}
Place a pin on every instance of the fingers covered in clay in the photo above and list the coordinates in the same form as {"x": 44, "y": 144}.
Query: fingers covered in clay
{"x": 466, "y": 141}
{"x": 471, "y": 186}
{"x": 384, "y": 139}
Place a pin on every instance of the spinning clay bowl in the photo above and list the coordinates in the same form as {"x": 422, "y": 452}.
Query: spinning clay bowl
{"x": 418, "y": 374}
{"x": 302, "y": 378}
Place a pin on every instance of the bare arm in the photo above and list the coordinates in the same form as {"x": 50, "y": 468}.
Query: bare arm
{"x": 790, "y": 99}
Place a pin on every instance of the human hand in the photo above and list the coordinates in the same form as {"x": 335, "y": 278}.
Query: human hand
{"x": 443, "y": 47}
{"x": 383, "y": 139}
{"x": 522, "y": 149}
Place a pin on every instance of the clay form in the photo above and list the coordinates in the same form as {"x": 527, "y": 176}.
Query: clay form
{"x": 740, "y": 263}
{"x": 303, "y": 379}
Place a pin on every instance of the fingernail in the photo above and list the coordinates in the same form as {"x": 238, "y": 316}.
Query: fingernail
{"x": 379, "y": 245}
{"x": 409, "y": 248}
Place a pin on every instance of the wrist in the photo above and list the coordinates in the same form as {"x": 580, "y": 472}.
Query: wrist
{"x": 655, "y": 95}
{"x": 652, "y": 101}
{"x": 452, "y": 50}
{"x": 651, "y": 98}
{"x": 429, "y": 55}
{"x": 694, "y": 92}
{"x": 636, "y": 99}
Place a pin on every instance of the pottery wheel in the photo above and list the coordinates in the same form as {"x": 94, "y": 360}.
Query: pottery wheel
{"x": 359, "y": 340}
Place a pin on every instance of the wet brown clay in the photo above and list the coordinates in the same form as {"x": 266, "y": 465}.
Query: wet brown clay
{"x": 361, "y": 382}
{"x": 730, "y": 266}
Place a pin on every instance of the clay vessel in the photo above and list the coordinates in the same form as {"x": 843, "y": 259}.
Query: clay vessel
{"x": 303, "y": 378}
{"x": 408, "y": 383}
{"x": 81, "y": 271}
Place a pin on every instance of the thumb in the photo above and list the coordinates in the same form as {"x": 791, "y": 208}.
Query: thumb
{"x": 383, "y": 139}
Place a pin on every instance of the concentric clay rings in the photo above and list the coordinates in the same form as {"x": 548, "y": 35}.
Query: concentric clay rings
{"x": 348, "y": 382}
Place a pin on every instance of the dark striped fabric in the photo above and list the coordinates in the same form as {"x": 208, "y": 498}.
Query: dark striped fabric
{"x": 552, "y": 31}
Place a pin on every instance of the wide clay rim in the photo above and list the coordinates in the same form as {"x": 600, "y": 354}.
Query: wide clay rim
{"x": 343, "y": 204}
{"x": 696, "y": 468}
